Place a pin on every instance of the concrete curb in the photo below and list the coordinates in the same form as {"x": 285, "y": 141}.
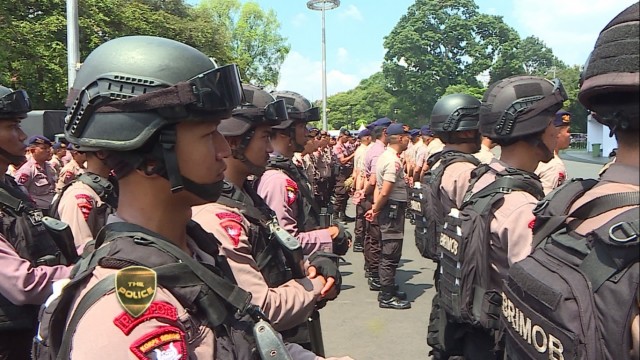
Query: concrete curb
{"x": 583, "y": 156}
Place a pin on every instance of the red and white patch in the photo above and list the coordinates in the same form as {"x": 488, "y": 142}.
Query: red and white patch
{"x": 23, "y": 179}
{"x": 231, "y": 223}
{"x": 292, "y": 191}
{"x": 157, "y": 310}
{"x": 561, "y": 178}
{"x": 165, "y": 343}
{"x": 85, "y": 204}
{"x": 532, "y": 224}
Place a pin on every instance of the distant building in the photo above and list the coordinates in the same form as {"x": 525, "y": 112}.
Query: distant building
{"x": 599, "y": 134}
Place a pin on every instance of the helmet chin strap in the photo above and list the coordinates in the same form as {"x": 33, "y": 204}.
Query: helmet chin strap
{"x": 239, "y": 154}
{"x": 547, "y": 153}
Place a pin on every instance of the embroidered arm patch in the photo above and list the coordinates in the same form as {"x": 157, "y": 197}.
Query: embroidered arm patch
{"x": 231, "y": 223}
{"x": 165, "y": 343}
{"x": 291, "y": 191}
{"x": 157, "y": 310}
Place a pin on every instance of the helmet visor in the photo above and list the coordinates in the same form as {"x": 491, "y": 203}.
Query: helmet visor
{"x": 311, "y": 114}
{"x": 217, "y": 89}
{"x": 15, "y": 103}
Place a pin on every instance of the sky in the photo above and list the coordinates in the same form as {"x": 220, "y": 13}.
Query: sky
{"x": 355, "y": 34}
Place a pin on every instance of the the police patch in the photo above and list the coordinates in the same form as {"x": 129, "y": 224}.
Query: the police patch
{"x": 233, "y": 230}
{"x": 165, "y": 343}
{"x": 561, "y": 178}
{"x": 157, "y": 310}
{"x": 135, "y": 289}
{"x": 291, "y": 191}
{"x": 85, "y": 204}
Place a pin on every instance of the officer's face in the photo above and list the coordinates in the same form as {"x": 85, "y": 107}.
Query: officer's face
{"x": 404, "y": 141}
{"x": 12, "y": 137}
{"x": 41, "y": 152}
{"x": 550, "y": 139}
{"x": 564, "y": 138}
{"x": 259, "y": 147}
{"x": 301, "y": 133}
{"x": 200, "y": 149}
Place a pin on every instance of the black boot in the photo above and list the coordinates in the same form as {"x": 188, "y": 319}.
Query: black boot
{"x": 374, "y": 283}
{"x": 399, "y": 294}
{"x": 358, "y": 246}
{"x": 388, "y": 300}
{"x": 346, "y": 219}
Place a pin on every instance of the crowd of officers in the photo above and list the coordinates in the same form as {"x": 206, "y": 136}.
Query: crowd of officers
{"x": 188, "y": 215}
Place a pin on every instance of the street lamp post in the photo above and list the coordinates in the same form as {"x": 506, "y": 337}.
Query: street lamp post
{"x": 73, "y": 51}
{"x": 323, "y": 5}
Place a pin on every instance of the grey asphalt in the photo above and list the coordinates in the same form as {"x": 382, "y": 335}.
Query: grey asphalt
{"x": 354, "y": 325}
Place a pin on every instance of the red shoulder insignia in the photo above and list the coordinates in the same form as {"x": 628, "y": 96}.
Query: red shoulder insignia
{"x": 85, "y": 203}
{"x": 292, "y": 191}
{"x": 157, "y": 310}
{"x": 24, "y": 177}
{"x": 165, "y": 343}
{"x": 231, "y": 224}
{"x": 561, "y": 178}
{"x": 532, "y": 224}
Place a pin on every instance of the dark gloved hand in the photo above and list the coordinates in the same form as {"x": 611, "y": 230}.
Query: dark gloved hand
{"x": 326, "y": 264}
{"x": 341, "y": 242}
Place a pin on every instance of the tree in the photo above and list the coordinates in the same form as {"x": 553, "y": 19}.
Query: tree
{"x": 437, "y": 44}
{"x": 253, "y": 34}
{"x": 529, "y": 56}
{"x": 476, "y": 92}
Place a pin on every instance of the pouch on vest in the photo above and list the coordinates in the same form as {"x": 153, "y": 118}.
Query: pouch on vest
{"x": 463, "y": 249}
{"x": 573, "y": 297}
{"x": 430, "y": 212}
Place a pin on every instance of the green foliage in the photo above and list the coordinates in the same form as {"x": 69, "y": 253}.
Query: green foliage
{"x": 476, "y": 92}
{"x": 436, "y": 44}
{"x": 529, "y": 56}
{"x": 33, "y": 52}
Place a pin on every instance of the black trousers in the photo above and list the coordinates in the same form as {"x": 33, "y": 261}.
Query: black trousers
{"x": 340, "y": 192}
{"x": 16, "y": 344}
{"x": 361, "y": 225}
{"x": 372, "y": 241}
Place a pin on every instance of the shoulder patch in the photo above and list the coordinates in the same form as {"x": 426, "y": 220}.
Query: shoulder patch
{"x": 227, "y": 215}
{"x": 85, "y": 204}
{"x": 532, "y": 223}
{"x": 291, "y": 189}
{"x": 561, "y": 178}
{"x": 135, "y": 289}
{"x": 24, "y": 177}
{"x": 157, "y": 310}
{"x": 233, "y": 230}
{"x": 165, "y": 343}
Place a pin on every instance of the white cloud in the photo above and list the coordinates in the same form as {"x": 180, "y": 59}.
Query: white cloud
{"x": 569, "y": 27}
{"x": 299, "y": 20}
{"x": 343, "y": 55}
{"x": 351, "y": 12}
{"x": 303, "y": 75}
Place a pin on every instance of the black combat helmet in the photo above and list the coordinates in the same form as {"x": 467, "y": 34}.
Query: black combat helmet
{"x": 131, "y": 92}
{"x": 455, "y": 112}
{"x": 519, "y": 106}
{"x": 298, "y": 108}
{"x": 610, "y": 78}
{"x": 13, "y": 104}
{"x": 258, "y": 108}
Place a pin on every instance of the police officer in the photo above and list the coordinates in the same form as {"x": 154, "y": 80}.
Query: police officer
{"x": 27, "y": 270}
{"x": 73, "y": 169}
{"x": 358, "y": 195}
{"x": 59, "y": 150}
{"x": 554, "y": 173}
{"x": 173, "y": 299}
{"x": 265, "y": 260}
{"x": 87, "y": 201}
{"x": 517, "y": 113}
{"x": 344, "y": 154}
{"x": 389, "y": 205}
{"x": 287, "y": 191}
{"x": 322, "y": 161}
{"x": 372, "y": 237}
{"x": 421, "y": 152}
{"x": 37, "y": 175}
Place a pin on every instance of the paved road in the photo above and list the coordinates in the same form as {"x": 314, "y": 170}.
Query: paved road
{"x": 354, "y": 325}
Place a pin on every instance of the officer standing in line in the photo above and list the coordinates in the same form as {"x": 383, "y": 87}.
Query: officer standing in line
{"x": 344, "y": 155}
{"x": 87, "y": 201}
{"x": 372, "y": 236}
{"x": 361, "y": 227}
{"x": 287, "y": 190}
{"x": 322, "y": 160}
{"x": 434, "y": 146}
{"x": 261, "y": 259}
{"x": 59, "y": 150}
{"x": 421, "y": 152}
{"x": 410, "y": 154}
{"x": 27, "y": 268}
{"x": 517, "y": 113}
{"x": 36, "y": 175}
{"x": 485, "y": 154}
{"x": 155, "y": 286}
{"x": 73, "y": 169}
{"x": 554, "y": 173}
{"x": 389, "y": 205}
{"x": 454, "y": 120}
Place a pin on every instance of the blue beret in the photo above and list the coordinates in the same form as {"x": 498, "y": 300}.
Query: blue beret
{"x": 563, "y": 118}
{"x": 414, "y": 132}
{"x": 426, "y": 130}
{"x": 380, "y": 122}
{"x": 397, "y": 129}
{"x": 38, "y": 140}
{"x": 363, "y": 133}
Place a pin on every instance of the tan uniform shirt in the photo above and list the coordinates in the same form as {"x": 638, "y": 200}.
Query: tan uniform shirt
{"x": 511, "y": 228}
{"x": 552, "y": 174}
{"x": 287, "y": 305}
{"x": 68, "y": 173}
{"x": 74, "y": 207}
{"x": 455, "y": 181}
{"x": 39, "y": 182}
{"x": 485, "y": 155}
{"x": 435, "y": 146}
{"x": 389, "y": 168}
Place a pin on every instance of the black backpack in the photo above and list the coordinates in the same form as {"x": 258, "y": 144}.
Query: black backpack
{"x": 572, "y": 298}
{"x": 428, "y": 206}
{"x": 463, "y": 248}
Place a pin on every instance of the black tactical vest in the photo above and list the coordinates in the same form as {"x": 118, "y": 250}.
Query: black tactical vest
{"x": 308, "y": 211}
{"x": 108, "y": 195}
{"x": 206, "y": 294}
{"x": 22, "y": 227}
